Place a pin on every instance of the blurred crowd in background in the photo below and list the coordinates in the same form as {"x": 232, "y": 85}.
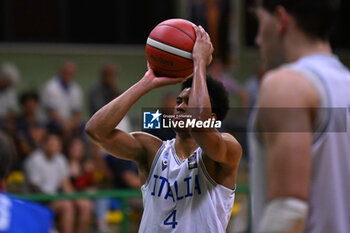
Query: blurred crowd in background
{"x": 46, "y": 128}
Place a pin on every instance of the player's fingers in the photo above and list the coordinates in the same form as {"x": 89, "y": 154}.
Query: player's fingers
{"x": 196, "y": 30}
{"x": 148, "y": 67}
{"x": 203, "y": 32}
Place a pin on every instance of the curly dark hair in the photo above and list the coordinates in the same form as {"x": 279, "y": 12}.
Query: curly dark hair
{"x": 218, "y": 96}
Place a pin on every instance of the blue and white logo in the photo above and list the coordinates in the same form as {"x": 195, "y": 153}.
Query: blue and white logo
{"x": 151, "y": 120}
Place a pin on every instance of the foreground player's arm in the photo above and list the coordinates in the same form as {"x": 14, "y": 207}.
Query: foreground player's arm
{"x": 221, "y": 148}
{"x": 101, "y": 128}
{"x": 285, "y": 118}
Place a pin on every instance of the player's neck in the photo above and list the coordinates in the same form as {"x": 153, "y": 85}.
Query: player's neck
{"x": 299, "y": 46}
{"x": 184, "y": 146}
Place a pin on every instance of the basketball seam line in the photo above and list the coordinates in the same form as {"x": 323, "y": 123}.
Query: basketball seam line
{"x": 178, "y": 29}
{"x": 151, "y": 40}
{"x": 169, "y": 44}
{"x": 168, "y": 52}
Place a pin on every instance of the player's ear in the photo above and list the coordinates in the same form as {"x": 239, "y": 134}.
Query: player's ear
{"x": 283, "y": 20}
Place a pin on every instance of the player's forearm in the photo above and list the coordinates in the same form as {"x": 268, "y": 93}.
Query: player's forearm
{"x": 199, "y": 101}
{"x": 200, "y": 109}
{"x": 104, "y": 121}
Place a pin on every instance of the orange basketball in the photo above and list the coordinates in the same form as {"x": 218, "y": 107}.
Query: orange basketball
{"x": 169, "y": 48}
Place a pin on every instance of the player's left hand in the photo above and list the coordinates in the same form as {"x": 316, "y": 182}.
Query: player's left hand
{"x": 154, "y": 81}
{"x": 203, "y": 48}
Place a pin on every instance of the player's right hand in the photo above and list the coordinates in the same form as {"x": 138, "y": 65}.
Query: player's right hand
{"x": 203, "y": 48}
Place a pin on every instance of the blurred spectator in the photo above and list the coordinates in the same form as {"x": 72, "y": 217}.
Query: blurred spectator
{"x": 47, "y": 171}
{"x": 9, "y": 76}
{"x": 103, "y": 178}
{"x": 82, "y": 178}
{"x": 105, "y": 89}
{"x": 125, "y": 176}
{"x": 125, "y": 173}
{"x": 29, "y": 132}
{"x": 108, "y": 167}
{"x": 101, "y": 93}
{"x": 63, "y": 100}
{"x": 81, "y": 169}
{"x": 19, "y": 215}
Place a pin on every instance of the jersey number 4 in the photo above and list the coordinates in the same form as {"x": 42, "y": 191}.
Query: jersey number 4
{"x": 171, "y": 219}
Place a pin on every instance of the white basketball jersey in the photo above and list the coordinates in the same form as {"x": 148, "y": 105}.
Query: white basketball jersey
{"x": 181, "y": 196}
{"x": 329, "y": 200}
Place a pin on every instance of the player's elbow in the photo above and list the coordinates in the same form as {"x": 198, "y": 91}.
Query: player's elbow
{"x": 92, "y": 131}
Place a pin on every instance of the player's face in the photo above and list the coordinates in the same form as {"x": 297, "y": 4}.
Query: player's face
{"x": 268, "y": 39}
{"x": 182, "y": 101}
{"x": 181, "y": 107}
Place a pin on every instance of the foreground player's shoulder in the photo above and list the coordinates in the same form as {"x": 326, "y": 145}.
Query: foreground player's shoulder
{"x": 284, "y": 87}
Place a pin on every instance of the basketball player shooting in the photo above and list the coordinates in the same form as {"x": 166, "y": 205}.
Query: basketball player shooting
{"x": 189, "y": 181}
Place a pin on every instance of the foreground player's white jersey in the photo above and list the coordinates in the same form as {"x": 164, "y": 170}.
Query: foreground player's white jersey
{"x": 182, "y": 197}
{"x": 329, "y": 199}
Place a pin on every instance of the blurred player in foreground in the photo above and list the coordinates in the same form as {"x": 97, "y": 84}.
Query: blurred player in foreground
{"x": 189, "y": 181}
{"x": 16, "y": 215}
{"x": 301, "y": 165}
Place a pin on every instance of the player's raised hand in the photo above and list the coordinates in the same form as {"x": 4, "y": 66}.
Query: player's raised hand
{"x": 153, "y": 81}
{"x": 203, "y": 47}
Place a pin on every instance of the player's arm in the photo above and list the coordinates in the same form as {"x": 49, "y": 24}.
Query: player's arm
{"x": 101, "y": 128}
{"x": 221, "y": 148}
{"x": 287, "y": 134}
